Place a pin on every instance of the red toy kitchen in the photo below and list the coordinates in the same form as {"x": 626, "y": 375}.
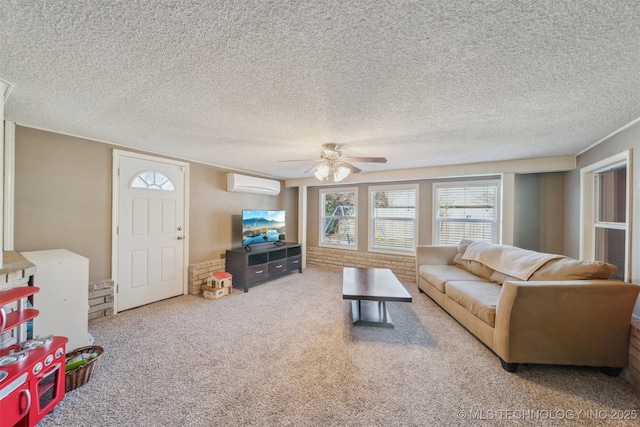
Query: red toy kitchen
{"x": 32, "y": 371}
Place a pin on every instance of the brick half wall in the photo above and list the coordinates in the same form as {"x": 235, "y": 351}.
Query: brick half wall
{"x": 198, "y": 273}
{"x": 404, "y": 267}
{"x": 100, "y": 300}
{"x": 633, "y": 370}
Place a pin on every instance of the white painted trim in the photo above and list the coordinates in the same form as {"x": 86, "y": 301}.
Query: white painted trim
{"x": 587, "y": 214}
{"x": 9, "y": 184}
{"x": 603, "y": 164}
{"x": 585, "y": 235}
{"x": 302, "y": 222}
{"x": 150, "y": 157}
{"x": 115, "y": 205}
{"x": 187, "y": 229}
{"x": 115, "y": 209}
{"x": 508, "y": 207}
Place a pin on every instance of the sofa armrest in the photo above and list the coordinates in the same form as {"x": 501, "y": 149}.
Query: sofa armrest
{"x": 434, "y": 255}
{"x": 578, "y": 322}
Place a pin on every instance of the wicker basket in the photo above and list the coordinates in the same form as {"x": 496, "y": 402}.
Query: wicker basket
{"x": 79, "y": 376}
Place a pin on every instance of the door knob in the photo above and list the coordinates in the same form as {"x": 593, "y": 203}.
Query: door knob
{"x": 180, "y": 237}
{"x": 180, "y": 228}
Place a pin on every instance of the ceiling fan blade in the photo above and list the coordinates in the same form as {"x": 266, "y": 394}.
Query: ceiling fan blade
{"x": 366, "y": 159}
{"x": 352, "y": 168}
{"x": 310, "y": 169}
{"x": 300, "y": 160}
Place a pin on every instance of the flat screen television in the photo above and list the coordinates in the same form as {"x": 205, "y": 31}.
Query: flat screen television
{"x": 263, "y": 227}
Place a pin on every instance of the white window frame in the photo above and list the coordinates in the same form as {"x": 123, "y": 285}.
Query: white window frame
{"x": 588, "y": 207}
{"x": 370, "y": 225}
{"x": 322, "y": 192}
{"x": 497, "y": 221}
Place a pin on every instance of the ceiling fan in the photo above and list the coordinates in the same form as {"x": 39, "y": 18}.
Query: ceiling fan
{"x": 333, "y": 162}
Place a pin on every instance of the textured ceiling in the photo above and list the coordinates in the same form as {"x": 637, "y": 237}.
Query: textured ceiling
{"x": 244, "y": 84}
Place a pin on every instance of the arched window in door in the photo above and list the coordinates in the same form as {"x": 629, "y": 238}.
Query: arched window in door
{"x": 152, "y": 180}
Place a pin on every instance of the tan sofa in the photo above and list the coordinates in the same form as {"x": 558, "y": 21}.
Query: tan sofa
{"x": 530, "y": 307}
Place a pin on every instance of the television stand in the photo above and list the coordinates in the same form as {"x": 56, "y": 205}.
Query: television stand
{"x": 262, "y": 263}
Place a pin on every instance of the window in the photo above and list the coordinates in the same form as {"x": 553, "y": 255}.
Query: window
{"x": 466, "y": 210}
{"x": 604, "y": 212}
{"x": 338, "y": 213}
{"x": 392, "y": 225}
{"x": 610, "y": 225}
{"x": 152, "y": 180}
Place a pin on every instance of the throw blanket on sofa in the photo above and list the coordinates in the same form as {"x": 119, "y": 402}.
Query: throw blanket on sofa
{"x": 510, "y": 260}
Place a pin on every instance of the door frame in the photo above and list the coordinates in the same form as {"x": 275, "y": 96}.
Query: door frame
{"x": 115, "y": 205}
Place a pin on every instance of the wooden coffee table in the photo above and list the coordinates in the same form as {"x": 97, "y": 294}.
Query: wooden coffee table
{"x": 370, "y": 289}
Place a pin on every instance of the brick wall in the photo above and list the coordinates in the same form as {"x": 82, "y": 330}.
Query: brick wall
{"x": 633, "y": 370}
{"x": 100, "y": 300}
{"x": 198, "y": 273}
{"x": 404, "y": 267}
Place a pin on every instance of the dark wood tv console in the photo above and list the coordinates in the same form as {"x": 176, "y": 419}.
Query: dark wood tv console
{"x": 262, "y": 262}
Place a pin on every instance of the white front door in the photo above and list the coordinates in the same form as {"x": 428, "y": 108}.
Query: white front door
{"x": 150, "y": 230}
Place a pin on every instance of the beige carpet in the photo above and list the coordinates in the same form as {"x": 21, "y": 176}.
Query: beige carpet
{"x": 285, "y": 353}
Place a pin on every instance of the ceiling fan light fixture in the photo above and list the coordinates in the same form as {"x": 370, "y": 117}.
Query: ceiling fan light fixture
{"x": 334, "y": 164}
{"x": 340, "y": 173}
{"x": 322, "y": 172}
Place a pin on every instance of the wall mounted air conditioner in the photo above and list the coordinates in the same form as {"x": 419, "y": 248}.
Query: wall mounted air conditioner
{"x": 249, "y": 184}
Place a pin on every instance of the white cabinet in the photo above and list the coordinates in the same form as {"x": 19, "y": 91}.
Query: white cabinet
{"x": 63, "y": 300}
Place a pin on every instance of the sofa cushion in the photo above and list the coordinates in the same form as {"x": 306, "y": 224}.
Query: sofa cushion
{"x": 438, "y": 275}
{"x": 500, "y": 278}
{"x": 474, "y": 267}
{"x": 480, "y": 298}
{"x": 572, "y": 269}
{"x": 462, "y": 246}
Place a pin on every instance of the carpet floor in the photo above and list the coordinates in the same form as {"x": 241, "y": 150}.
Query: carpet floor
{"x": 286, "y": 354}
